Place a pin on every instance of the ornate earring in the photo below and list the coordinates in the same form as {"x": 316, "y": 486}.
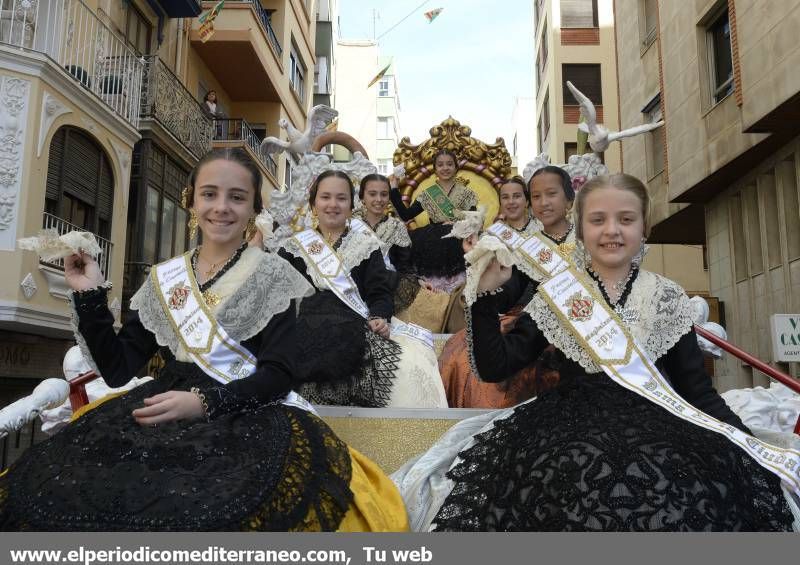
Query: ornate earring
{"x": 314, "y": 219}
{"x": 250, "y": 230}
{"x": 185, "y": 197}
{"x": 192, "y": 223}
{"x": 639, "y": 257}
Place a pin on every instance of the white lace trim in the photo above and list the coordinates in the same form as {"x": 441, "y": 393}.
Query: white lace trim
{"x": 259, "y": 286}
{"x": 79, "y": 340}
{"x": 356, "y": 247}
{"x": 665, "y": 315}
{"x": 393, "y": 232}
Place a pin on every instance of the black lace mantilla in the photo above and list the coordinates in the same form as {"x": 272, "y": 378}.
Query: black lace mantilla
{"x": 568, "y": 462}
{"x": 341, "y": 361}
{"x": 268, "y": 467}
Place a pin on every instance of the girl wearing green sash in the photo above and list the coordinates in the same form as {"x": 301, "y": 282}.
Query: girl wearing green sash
{"x": 591, "y": 454}
{"x": 218, "y": 441}
{"x": 439, "y": 261}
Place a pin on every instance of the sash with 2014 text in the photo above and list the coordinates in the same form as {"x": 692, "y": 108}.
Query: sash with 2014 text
{"x": 205, "y": 341}
{"x": 608, "y": 341}
{"x": 328, "y": 265}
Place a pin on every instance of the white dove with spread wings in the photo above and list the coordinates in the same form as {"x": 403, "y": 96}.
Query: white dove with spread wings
{"x": 299, "y": 142}
{"x": 599, "y": 137}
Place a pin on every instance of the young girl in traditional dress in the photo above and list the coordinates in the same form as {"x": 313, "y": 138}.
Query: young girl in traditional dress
{"x": 218, "y": 441}
{"x": 464, "y": 389}
{"x": 439, "y": 261}
{"x": 346, "y": 355}
{"x": 624, "y": 442}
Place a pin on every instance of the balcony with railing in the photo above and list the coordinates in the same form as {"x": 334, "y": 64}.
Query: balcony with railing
{"x": 243, "y": 38}
{"x": 70, "y": 34}
{"x": 236, "y": 132}
{"x": 49, "y": 221}
{"x": 167, "y": 102}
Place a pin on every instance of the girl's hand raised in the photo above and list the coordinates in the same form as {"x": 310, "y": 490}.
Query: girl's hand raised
{"x": 82, "y": 272}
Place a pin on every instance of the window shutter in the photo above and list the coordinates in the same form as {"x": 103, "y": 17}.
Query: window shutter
{"x": 585, "y": 78}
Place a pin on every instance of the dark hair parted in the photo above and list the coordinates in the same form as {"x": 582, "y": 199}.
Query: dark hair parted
{"x": 328, "y": 174}
{"x": 369, "y": 178}
{"x": 236, "y": 155}
{"x": 445, "y": 152}
{"x": 516, "y": 179}
{"x": 566, "y": 180}
{"x": 620, "y": 181}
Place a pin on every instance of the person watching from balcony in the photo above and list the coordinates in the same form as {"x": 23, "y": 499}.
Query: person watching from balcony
{"x": 213, "y": 442}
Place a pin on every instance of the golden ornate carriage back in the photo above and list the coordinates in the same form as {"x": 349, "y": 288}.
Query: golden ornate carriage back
{"x": 482, "y": 167}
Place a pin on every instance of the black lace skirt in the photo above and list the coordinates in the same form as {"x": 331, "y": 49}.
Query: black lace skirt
{"x": 433, "y": 256}
{"x": 593, "y": 456}
{"x": 341, "y": 362}
{"x": 268, "y": 467}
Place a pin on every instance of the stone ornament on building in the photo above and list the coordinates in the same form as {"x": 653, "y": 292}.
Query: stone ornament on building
{"x": 28, "y": 286}
{"x": 14, "y": 97}
{"x": 52, "y": 108}
{"x": 289, "y": 208}
{"x": 492, "y": 162}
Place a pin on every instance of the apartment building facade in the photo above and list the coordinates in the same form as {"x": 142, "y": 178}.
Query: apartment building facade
{"x": 101, "y": 119}
{"x": 724, "y": 169}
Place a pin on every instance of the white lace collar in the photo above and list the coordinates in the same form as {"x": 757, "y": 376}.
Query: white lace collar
{"x": 354, "y": 249}
{"x": 259, "y": 286}
{"x": 658, "y": 314}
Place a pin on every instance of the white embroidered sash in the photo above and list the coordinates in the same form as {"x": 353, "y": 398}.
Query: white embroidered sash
{"x": 205, "y": 341}
{"x": 326, "y": 262}
{"x": 359, "y": 225}
{"x": 598, "y": 329}
{"x": 413, "y": 331}
{"x": 535, "y": 250}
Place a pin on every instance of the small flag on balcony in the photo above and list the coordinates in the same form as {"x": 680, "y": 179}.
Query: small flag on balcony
{"x": 379, "y": 76}
{"x": 206, "y": 20}
{"x": 430, "y": 16}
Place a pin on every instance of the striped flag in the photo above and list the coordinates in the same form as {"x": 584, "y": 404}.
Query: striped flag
{"x": 206, "y": 20}
{"x": 379, "y": 76}
{"x": 430, "y": 16}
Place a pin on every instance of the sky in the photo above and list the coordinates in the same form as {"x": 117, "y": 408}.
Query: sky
{"x": 470, "y": 62}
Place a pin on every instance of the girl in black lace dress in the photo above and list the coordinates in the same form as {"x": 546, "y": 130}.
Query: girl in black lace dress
{"x": 590, "y": 455}
{"x": 217, "y": 441}
{"x": 346, "y": 357}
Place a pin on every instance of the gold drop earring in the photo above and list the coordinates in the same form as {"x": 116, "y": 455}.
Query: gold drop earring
{"x": 192, "y": 223}
{"x": 314, "y": 219}
{"x": 250, "y": 230}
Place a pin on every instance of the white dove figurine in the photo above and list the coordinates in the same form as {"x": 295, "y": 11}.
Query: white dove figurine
{"x": 299, "y": 143}
{"x": 599, "y": 137}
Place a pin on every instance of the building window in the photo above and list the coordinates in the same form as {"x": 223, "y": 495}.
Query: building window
{"x": 137, "y": 30}
{"x": 385, "y": 128}
{"x": 648, "y": 21}
{"x": 383, "y": 88}
{"x": 541, "y": 56}
{"x": 321, "y": 82}
{"x": 738, "y": 238}
{"x": 544, "y": 122}
{"x": 297, "y": 72}
{"x": 571, "y": 148}
{"x": 165, "y": 233}
{"x": 80, "y": 182}
{"x": 755, "y": 255}
{"x": 787, "y": 175}
{"x": 585, "y": 78}
{"x": 654, "y": 140}
{"x": 385, "y": 166}
{"x": 579, "y": 13}
{"x": 720, "y": 60}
